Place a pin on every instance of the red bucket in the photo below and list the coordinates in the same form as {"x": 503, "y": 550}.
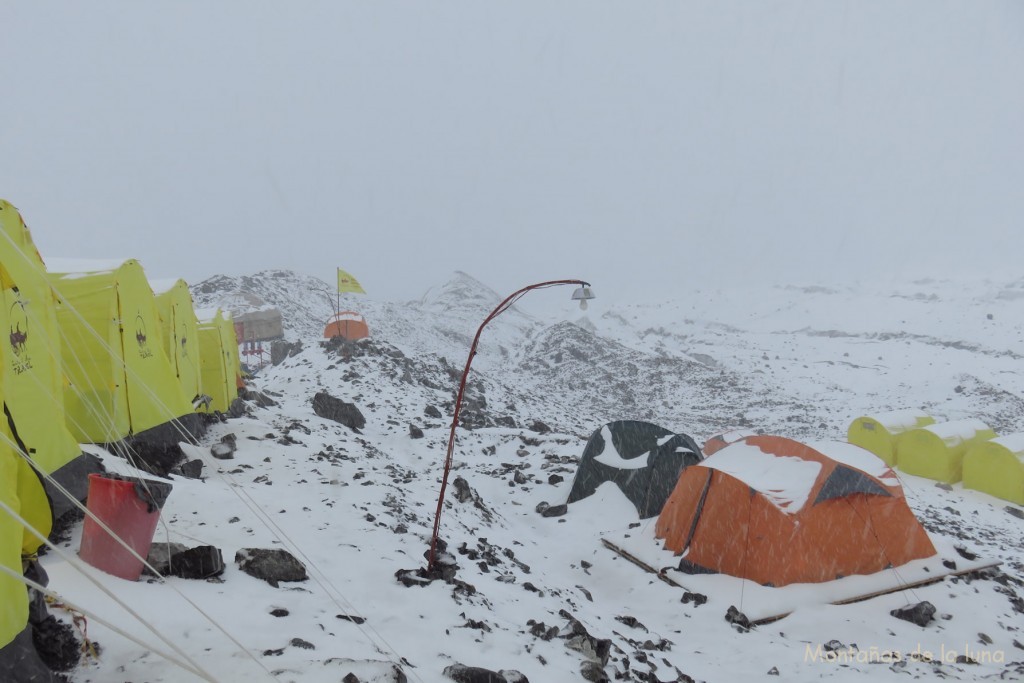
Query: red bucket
{"x": 130, "y": 507}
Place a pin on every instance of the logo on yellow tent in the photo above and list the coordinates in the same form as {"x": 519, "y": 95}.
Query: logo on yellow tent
{"x": 141, "y": 338}
{"x": 184, "y": 341}
{"x": 18, "y": 317}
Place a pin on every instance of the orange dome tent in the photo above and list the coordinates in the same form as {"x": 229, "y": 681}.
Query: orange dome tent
{"x": 777, "y": 511}
{"x": 347, "y": 325}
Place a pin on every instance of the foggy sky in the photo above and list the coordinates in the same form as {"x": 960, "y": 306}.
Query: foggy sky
{"x": 649, "y": 147}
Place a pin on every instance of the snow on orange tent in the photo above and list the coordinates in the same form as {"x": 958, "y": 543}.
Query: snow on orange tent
{"x": 717, "y": 442}
{"x": 777, "y": 511}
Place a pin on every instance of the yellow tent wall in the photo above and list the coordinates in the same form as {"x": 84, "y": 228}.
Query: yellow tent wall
{"x": 121, "y": 380}
{"x": 218, "y": 350}
{"x": 13, "y": 597}
{"x": 22, "y": 491}
{"x": 937, "y": 451}
{"x": 180, "y": 330}
{"x": 32, "y": 379}
{"x": 879, "y": 433}
{"x": 996, "y": 467}
{"x": 227, "y": 327}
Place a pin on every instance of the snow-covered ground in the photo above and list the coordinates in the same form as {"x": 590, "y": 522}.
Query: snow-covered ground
{"x": 358, "y": 507}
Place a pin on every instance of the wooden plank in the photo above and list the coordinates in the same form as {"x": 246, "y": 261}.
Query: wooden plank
{"x": 917, "y": 584}
{"x": 895, "y": 589}
{"x": 640, "y": 563}
{"x": 844, "y": 601}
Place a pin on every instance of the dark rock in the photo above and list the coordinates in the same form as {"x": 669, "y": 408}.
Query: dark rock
{"x": 949, "y": 564}
{"x": 303, "y": 644}
{"x": 201, "y": 562}
{"x": 697, "y": 599}
{"x": 594, "y": 672}
{"x": 513, "y": 676}
{"x": 415, "y": 432}
{"x": 222, "y": 451}
{"x": 539, "y": 427}
{"x": 920, "y": 614}
{"x": 737, "y": 618}
{"x": 632, "y": 622}
{"x": 155, "y": 457}
{"x": 279, "y": 612}
{"x": 350, "y": 678}
{"x": 271, "y": 565}
{"x": 1016, "y": 512}
{"x": 160, "y": 555}
{"x": 431, "y": 411}
{"x": 473, "y": 674}
{"x": 579, "y": 639}
{"x": 518, "y": 477}
{"x": 56, "y": 644}
{"x": 944, "y": 486}
{"x": 965, "y": 553}
{"x": 774, "y": 671}
{"x": 193, "y": 469}
{"x": 237, "y": 408}
{"x": 413, "y": 577}
{"x": 555, "y": 479}
{"x": 505, "y": 421}
{"x": 330, "y": 408}
{"x": 279, "y": 350}
{"x": 555, "y": 511}
{"x": 350, "y": 617}
{"x": 463, "y": 492}
{"x": 541, "y": 630}
{"x": 257, "y": 397}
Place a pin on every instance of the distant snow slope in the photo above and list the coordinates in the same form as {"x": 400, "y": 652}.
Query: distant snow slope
{"x": 806, "y": 360}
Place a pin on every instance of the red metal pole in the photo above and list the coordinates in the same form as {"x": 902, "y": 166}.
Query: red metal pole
{"x": 499, "y": 309}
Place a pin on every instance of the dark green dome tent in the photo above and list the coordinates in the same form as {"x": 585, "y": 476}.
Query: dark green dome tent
{"x": 642, "y": 459}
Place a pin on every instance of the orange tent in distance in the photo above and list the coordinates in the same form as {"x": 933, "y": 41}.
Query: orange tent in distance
{"x": 347, "y": 325}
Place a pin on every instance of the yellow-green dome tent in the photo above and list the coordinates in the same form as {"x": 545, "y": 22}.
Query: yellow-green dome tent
{"x": 121, "y": 381}
{"x": 180, "y": 329}
{"x": 33, "y": 383}
{"x": 937, "y": 451}
{"x": 220, "y": 362}
{"x": 21, "y": 490}
{"x": 996, "y": 467}
{"x": 879, "y": 433}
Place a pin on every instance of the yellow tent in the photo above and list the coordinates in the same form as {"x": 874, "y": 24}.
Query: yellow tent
{"x": 21, "y": 490}
{"x": 180, "y": 329}
{"x": 33, "y": 383}
{"x": 879, "y": 433}
{"x": 996, "y": 467}
{"x": 220, "y": 362}
{"x": 121, "y": 382}
{"x": 937, "y": 451}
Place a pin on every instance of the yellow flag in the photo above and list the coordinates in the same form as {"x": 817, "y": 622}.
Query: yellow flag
{"x": 347, "y": 283}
